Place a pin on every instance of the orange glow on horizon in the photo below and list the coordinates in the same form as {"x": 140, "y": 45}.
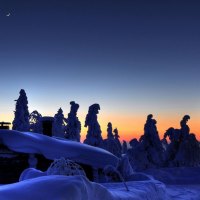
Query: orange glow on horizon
{"x": 130, "y": 126}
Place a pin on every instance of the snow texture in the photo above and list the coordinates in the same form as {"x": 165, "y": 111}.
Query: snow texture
{"x": 93, "y": 136}
{"x": 21, "y": 119}
{"x": 73, "y": 127}
{"x": 52, "y": 148}
{"x": 57, "y": 187}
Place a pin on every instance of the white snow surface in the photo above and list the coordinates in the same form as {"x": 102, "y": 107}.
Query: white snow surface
{"x": 52, "y": 148}
{"x": 58, "y": 187}
{"x": 176, "y": 175}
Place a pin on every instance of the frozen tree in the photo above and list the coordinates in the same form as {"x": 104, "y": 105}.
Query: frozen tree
{"x": 125, "y": 168}
{"x": 124, "y": 147}
{"x": 65, "y": 167}
{"x": 73, "y": 127}
{"x": 183, "y": 149}
{"x": 35, "y": 122}
{"x": 116, "y": 136}
{"x": 110, "y": 144}
{"x": 58, "y": 124}
{"x": 148, "y": 151}
{"x": 185, "y": 130}
{"x": 93, "y": 136}
{"x": 21, "y": 119}
{"x": 109, "y": 131}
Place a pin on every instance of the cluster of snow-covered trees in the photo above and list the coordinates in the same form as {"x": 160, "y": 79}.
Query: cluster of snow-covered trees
{"x": 178, "y": 147}
{"x": 181, "y": 149}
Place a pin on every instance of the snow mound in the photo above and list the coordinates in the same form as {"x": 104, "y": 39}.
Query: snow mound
{"x": 55, "y": 188}
{"x": 31, "y": 173}
{"x": 52, "y": 148}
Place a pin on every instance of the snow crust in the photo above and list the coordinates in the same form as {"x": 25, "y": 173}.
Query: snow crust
{"x": 52, "y": 148}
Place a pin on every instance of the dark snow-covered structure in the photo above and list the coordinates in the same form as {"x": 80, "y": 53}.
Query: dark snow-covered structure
{"x": 21, "y": 147}
{"x": 5, "y": 125}
{"x": 21, "y": 119}
{"x": 73, "y": 127}
{"x": 93, "y": 136}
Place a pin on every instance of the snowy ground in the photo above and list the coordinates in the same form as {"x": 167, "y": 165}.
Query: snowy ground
{"x": 80, "y": 188}
{"x": 184, "y": 192}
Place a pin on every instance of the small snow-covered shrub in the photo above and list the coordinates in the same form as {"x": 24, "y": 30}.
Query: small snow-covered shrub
{"x": 66, "y": 167}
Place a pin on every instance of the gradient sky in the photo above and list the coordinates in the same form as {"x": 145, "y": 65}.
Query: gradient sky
{"x": 133, "y": 57}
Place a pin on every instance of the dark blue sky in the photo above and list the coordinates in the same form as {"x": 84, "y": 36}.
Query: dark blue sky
{"x": 131, "y": 56}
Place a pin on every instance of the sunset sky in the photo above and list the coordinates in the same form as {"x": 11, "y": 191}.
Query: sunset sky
{"x": 133, "y": 57}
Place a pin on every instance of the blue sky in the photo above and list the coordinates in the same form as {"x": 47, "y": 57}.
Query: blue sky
{"x": 131, "y": 57}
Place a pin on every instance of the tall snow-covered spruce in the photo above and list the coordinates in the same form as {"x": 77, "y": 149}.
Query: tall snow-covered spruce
{"x": 35, "y": 122}
{"x": 21, "y": 119}
{"x": 73, "y": 127}
{"x": 93, "y": 136}
{"x": 58, "y": 124}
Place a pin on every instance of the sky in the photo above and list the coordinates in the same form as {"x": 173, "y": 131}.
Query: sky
{"x": 133, "y": 57}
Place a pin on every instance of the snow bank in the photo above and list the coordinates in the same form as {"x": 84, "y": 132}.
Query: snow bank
{"x": 52, "y": 148}
{"x": 80, "y": 188}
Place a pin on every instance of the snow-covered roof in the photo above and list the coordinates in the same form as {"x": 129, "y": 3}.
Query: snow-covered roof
{"x": 52, "y": 148}
{"x": 47, "y": 118}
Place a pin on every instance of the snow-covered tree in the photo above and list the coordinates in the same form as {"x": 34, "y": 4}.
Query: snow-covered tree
{"x": 73, "y": 127}
{"x": 93, "y": 136}
{"x": 125, "y": 168}
{"x": 148, "y": 151}
{"x": 109, "y": 131}
{"x": 21, "y": 119}
{"x": 35, "y": 122}
{"x": 124, "y": 147}
{"x": 110, "y": 144}
{"x": 65, "y": 167}
{"x": 58, "y": 124}
{"x": 116, "y": 136}
{"x": 183, "y": 149}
